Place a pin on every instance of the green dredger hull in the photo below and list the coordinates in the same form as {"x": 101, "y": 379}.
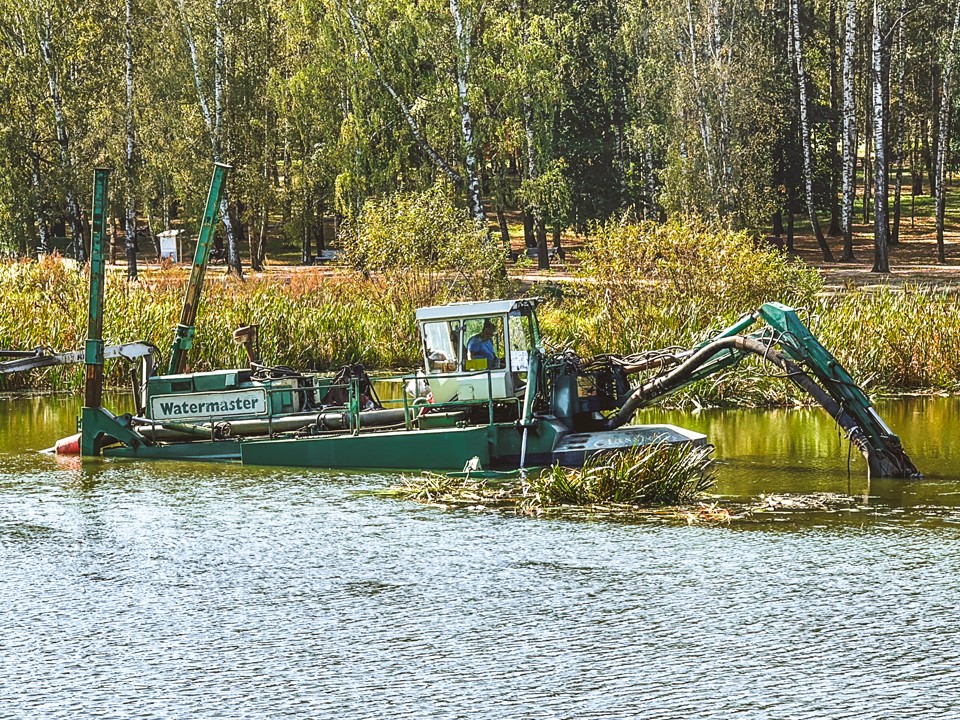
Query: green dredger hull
{"x": 497, "y": 445}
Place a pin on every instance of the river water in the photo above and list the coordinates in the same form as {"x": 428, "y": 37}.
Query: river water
{"x": 138, "y": 590}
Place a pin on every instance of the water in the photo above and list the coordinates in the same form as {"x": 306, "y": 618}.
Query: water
{"x": 137, "y": 590}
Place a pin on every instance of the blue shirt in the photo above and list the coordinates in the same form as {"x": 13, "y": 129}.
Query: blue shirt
{"x": 481, "y": 347}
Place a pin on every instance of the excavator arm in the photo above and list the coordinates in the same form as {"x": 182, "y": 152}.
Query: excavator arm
{"x": 788, "y": 344}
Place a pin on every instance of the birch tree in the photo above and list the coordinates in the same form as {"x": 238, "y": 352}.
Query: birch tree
{"x": 460, "y": 34}
{"x": 805, "y": 139}
{"x": 130, "y": 209}
{"x": 901, "y": 119}
{"x": 213, "y": 118}
{"x": 949, "y": 59}
{"x": 849, "y": 129}
{"x": 45, "y": 38}
{"x": 880, "y": 230}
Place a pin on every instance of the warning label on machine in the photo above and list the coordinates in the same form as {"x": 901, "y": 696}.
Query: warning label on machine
{"x": 196, "y": 406}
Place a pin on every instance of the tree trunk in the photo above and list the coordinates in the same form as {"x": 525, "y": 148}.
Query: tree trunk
{"x": 464, "y": 31}
{"x": 63, "y": 140}
{"x": 790, "y": 221}
{"x": 130, "y": 244}
{"x": 930, "y": 143}
{"x": 500, "y": 202}
{"x": 849, "y": 130}
{"x": 543, "y": 258}
{"x": 901, "y": 121}
{"x": 805, "y": 132}
{"x": 529, "y": 237}
{"x": 214, "y": 120}
{"x": 543, "y": 251}
{"x": 306, "y": 252}
{"x": 44, "y": 246}
{"x": 836, "y": 160}
{"x": 880, "y": 238}
{"x": 944, "y": 129}
{"x": 114, "y": 231}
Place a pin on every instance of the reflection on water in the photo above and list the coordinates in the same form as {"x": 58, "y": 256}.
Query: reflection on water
{"x": 801, "y": 450}
{"x": 193, "y": 590}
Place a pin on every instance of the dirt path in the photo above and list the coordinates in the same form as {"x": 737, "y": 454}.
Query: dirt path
{"x": 913, "y": 260}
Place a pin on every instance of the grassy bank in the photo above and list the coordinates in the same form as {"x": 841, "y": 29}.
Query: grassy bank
{"x": 642, "y": 287}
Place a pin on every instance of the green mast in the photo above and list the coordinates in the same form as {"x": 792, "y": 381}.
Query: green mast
{"x": 183, "y": 338}
{"x": 95, "y": 421}
{"x": 93, "y": 350}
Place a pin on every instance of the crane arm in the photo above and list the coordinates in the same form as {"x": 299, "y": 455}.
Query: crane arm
{"x": 805, "y": 362}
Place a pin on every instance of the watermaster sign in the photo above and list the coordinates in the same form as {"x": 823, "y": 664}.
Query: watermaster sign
{"x": 196, "y": 406}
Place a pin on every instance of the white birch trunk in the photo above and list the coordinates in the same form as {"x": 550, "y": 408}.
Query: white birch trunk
{"x": 849, "y": 129}
{"x": 880, "y": 231}
{"x": 130, "y": 245}
{"x": 901, "y": 119}
{"x": 39, "y": 216}
{"x": 945, "y": 101}
{"x": 463, "y": 30}
{"x": 805, "y": 130}
{"x": 214, "y": 120}
{"x": 703, "y": 117}
{"x": 63, "y": 140}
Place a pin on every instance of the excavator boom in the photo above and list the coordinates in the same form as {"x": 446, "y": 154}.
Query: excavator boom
{"x": 787, "y": 343}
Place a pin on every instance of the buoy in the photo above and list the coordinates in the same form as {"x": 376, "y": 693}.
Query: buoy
{"x": 68, "y": 445}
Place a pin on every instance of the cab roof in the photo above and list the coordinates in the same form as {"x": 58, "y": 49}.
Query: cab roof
{"x": 454, "y": 311}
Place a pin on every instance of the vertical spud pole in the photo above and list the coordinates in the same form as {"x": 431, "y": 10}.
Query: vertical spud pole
{"x": 93, "y": 349}
{"x": 183, "y": 338}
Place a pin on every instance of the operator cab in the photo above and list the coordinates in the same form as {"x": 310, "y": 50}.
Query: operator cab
{"x": 478, "y": 350}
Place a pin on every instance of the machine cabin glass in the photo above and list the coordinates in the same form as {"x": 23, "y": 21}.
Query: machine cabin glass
{"x": 441, "y": 341}
{"x": 522, "y": 340}
{"x": 483, "y": 343}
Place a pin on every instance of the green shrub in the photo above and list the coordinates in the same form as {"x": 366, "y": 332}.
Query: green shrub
{"x": 424, "y": 240}
{"x": 649, "y": 285}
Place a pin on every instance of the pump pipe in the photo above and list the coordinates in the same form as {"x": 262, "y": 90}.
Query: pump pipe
{"x": 183, "y": 337}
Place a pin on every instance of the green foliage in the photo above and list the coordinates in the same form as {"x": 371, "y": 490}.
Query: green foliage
{"x": 550, "y": 192}
{"x": 652, "y": 285}
{"x": 655, "y": 474}
{"x": 426, "y": 238}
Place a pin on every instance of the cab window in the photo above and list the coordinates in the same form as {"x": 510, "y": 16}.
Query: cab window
{"x": 483, "y": 343}
{"x": 440, "y": 343}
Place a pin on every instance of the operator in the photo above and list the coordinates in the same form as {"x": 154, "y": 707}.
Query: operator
{"x": 480, "y": 346}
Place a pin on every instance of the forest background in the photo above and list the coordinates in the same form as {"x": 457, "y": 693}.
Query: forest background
{"x": 743, "y": 113}
{"x": 684, "y": 143}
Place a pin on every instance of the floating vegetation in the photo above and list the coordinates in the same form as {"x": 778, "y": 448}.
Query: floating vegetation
{"x": 659, "y": 480}
{"x": 650, "y": 483}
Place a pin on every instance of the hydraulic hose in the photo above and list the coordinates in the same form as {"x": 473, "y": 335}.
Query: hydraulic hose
{"x": 882, "y": 461}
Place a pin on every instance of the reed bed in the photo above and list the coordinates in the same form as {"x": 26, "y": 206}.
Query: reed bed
{"x": 675, "y": 284}
{"x": 644, "y": 287}
{"x": 306, "y": 320}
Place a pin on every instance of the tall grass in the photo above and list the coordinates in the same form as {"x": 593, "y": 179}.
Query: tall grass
{"x": 643, "y": 287}
{"x": 306, "y": 320}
